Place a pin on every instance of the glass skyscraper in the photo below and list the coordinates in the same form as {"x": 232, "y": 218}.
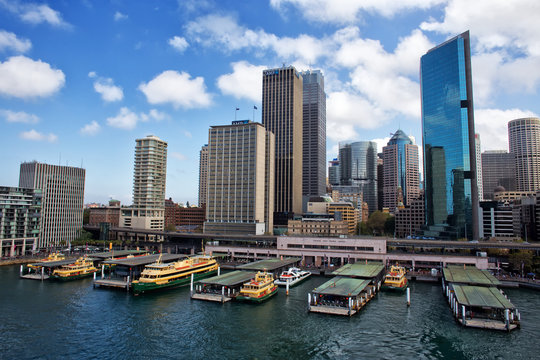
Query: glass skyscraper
{"x": 451, "y": 191}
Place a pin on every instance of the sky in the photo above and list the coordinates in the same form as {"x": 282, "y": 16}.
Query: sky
{"x": 81, "y": 80}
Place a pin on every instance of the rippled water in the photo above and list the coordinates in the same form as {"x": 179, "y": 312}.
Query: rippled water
{"x": 46, "y": 320}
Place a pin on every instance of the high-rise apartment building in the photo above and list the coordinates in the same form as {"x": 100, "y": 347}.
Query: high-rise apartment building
{"x": 498, "y": 169}
{"x": 20, "y": 215}
{"x": 400, "y": 171}
{"x": 62, "y": 200}
{"x": 149, "y": 180}
{"x": 358, "y": 167}
{"x": 524, "y": 141}
{"x": 240, "y": 179}
{"x": 451, "y": 191}
{"x": 282, "y": 109}
{"x": 314, "y": 134}
{"x": 203, "y": 174}
{"x": 478, "y": 154}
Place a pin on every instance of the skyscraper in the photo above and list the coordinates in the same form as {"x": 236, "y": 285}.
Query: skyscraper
{"x": 333, "y": 172}
{"x": 400, "y": 171}
{"x": 448, "y": 135}
{"x": 282, "y": 114}
{"x": 240, "y": 179}
{"x": 149, "y": 180}
{"x": 314, "y": 134}
{"x": 203, "y": 174}
{"x": 498, "y": 169}
{"x": 524, "y": 141}
{"x": 358, "y": 168}
{"x": 478, "y": 154}
{"x": 62, "y": 200}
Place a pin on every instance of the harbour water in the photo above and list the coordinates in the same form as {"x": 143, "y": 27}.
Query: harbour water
{"x": 47, "y": 320}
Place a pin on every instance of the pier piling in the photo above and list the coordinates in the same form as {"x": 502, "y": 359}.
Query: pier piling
{"x": 287, "y": 292}
{"x": 408, "y": 296}
{"x": 21, "y": 271}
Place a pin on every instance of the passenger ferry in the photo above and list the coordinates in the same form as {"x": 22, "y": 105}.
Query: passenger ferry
{"x": 258, "y": 289}
{"x": 395, "y": 279}
{"x": 165, "y": 275}
{"x": 82, "y": 267}
{"x": 293, "y": 276}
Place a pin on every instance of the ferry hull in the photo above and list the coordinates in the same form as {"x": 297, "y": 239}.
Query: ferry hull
{"x": 72, "y": 277}
{"x": 257, "y": 300}
{"x": 292, "y": 283}
{"x": 139, "y": 288}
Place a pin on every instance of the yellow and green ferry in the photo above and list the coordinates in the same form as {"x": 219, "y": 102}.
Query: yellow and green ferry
{"x": 54, "y": 256}
{"x": 81, "y": 268}
{"x": 166, "y": 275}
{"x": 395, "y": 279}
{"x": 259, "y": 289}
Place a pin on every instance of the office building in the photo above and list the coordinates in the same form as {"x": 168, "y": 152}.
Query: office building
{"x": 282, "y": 109}
{"x": 478, "y": 154}
{"x": 240, "y": 179}
{"x": 410, "y": 219}
{"x": 62, "y": 200}
{"x": 149, "y": 180}
{"x": 333, "y": 172}
{"x": 496, "y": 221}
{"x": 400, "y": 172}
{"x": 203, "y": 174}
{"x": 20, "y": 215}
{"x": 451, "y": 191}
{"x": 524, "y": 141}
{"x": 105, "y": 214}
{"x": 314, "y": 134}
{"x": 498, "y": 169}
{"x": 358, "y": 167}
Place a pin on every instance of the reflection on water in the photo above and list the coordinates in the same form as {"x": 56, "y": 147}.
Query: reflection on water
{"x": 73, "y": 320}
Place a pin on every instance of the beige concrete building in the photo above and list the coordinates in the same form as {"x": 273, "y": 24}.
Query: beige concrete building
{"x": 62, "y": 201}
{"x": 282, "y": 104}
{"x": 149, "y": 179}
{"x": 203, "y": 175}
{"x": 347, "y": 212}
{"x": 524, "y": 143}
{"x": 240, "y": 196}
{"x": 318, "y": 227}
{"x": 410, "y": 218}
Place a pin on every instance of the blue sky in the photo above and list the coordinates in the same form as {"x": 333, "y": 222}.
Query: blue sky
{"x": 81, "y": 80}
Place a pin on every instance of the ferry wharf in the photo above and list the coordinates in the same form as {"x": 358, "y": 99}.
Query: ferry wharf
{"x": 273, "y": 266}
{"x": 221, "y": 288}
{"x": 44, "y": 269}
{"x": 123, "y": 270}
{"x": 476, "y": 301}
{"x": 353, "y": 286}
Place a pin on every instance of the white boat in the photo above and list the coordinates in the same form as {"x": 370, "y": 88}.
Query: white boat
{"x": 292, "y": 276}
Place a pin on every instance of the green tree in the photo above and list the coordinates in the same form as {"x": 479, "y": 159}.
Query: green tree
{"x": 170, "y": 227}
{"x": 521, "y": 258}
{"x": 376, "y": 222}
{"x": 86, "y": 216}
{"x": 390, "y": 225}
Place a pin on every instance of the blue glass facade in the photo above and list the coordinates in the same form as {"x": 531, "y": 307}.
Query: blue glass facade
{"x": 400, "y": 140}
{"x": 448, "y": 136}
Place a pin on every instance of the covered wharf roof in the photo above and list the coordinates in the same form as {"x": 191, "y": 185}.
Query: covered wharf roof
{"x": 116, "y": 254}
{"x": 269, "y": 264}
{"x": 360, "y": 270}
{"x": 233, "y": 278}
{"x": 144, "y": 260}
{"x": 469, "y": 275}
{"x": 342, "y": 286}
{"x": 481, "y": 296}
{"x": 51, "y": 264}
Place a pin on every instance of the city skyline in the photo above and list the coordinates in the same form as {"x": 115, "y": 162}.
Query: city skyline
{"x": 95, "y": 89}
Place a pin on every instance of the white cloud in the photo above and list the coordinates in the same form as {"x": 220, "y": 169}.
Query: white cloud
{"x": 179, "y": 43}
{"x": 92, "y": 74}
{"x": 23, "y": 77}
{"x": 492, "y": 125}
{"x": 108, "y": 91}
{"x": 348, "y": 11}
{"x": 37, "y": 136}
{"x": 381, "y": 142}
{"x": 35, "y": 13}
{"x": 19, "y": 117}
{"x": 91, "y": 129}
{"x": 9, "y": 40}
{"x": 119, "y": 16}
{"x": 154, "y": 114}
{"x": 244, "y": 82}
{"x": 188, "y": 134}
{"x": 178, "y": 156}
{"x": 126, "y": 119}
{"x": 178, "y": 89}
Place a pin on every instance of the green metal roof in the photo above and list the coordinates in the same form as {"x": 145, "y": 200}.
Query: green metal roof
{"x": 481, "y": 296}
{"x": 360, "y": 270}
{"x": 51, "y": 264}
{"x": 145, "y": 259}
{"x": 269, "y": 264}
{"x": 233, "y": 278}
{"x": 117, "y": 253}
{"x": 342, "y": 286}
{"x": 469, "y": 275}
